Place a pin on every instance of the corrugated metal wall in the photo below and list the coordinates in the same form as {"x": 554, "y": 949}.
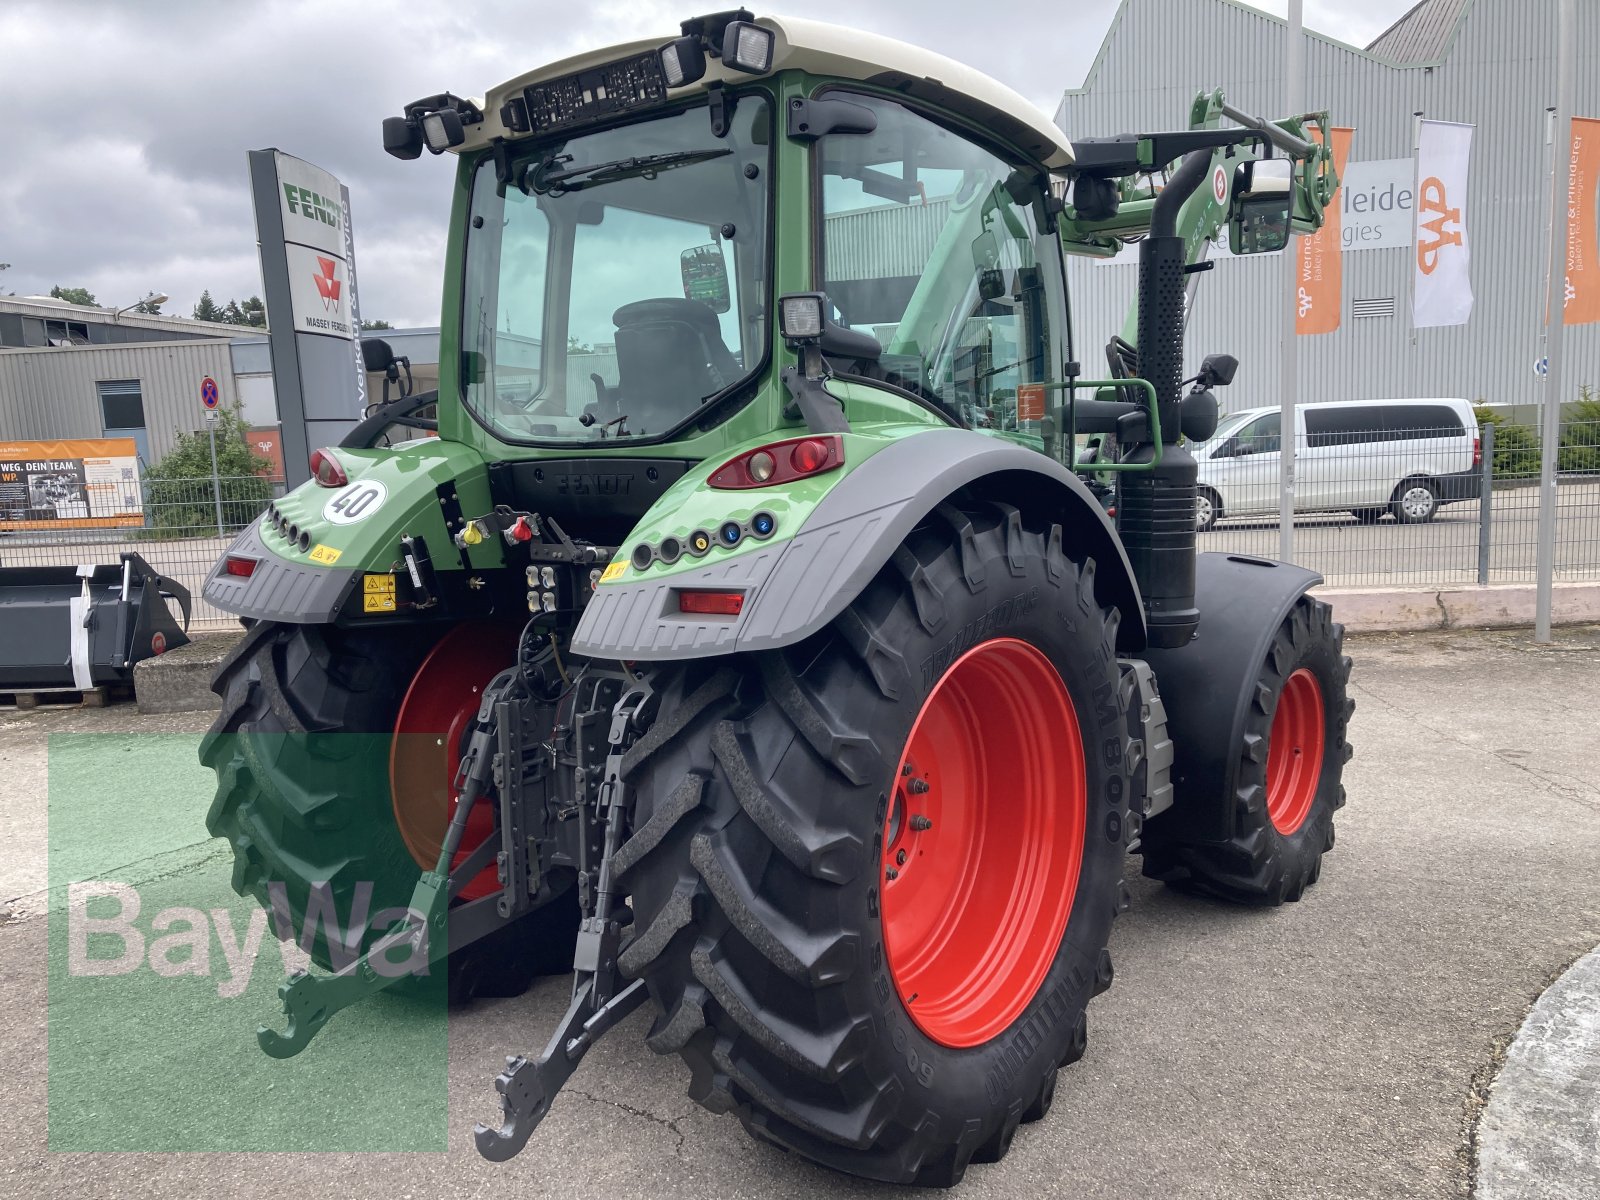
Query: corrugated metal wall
{"x": 51, "y": 394}
{"x": 1498, "y": 73}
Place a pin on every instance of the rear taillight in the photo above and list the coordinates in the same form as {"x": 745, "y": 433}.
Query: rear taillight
{"x": 1477, "y": 452}
{"x": 237, "y": 564}
{"x": 327, "y": 471}
{"x": 781, "y": 462}
{"x": 716, "y": 604}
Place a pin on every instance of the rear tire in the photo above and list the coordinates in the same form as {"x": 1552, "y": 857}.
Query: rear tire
{"x": 1290, "y": 762}
{"x": 758, "y": 876}
{"x": 301, "y": 752}
{"x": 1416, "y": 502}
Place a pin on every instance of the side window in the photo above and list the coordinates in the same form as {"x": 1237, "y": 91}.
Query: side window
{"x": 1328, "y": 427}
{"x": 1261, "y": 436}
{"x": 1427, "y": 421}
{"x": 926, "y": 248}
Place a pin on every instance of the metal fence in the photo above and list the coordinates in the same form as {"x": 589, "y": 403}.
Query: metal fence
{"x": 1412, "y": 509}
{"x": 1370, "y": 512}
{"x": 185, "y": 526}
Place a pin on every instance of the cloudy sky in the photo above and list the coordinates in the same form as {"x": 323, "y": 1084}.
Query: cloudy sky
{"x": 122, "y": 152}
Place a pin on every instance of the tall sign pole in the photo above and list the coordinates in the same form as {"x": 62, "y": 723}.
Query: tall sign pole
{"x": 314, "y": 321}
{"x": 1555, "y": 317}
{"x": 1289, "y": 359}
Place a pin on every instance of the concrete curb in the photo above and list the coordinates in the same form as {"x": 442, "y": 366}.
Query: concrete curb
{"x": 1400, "y": 610}
{"x": 1539, "y": 1135}
{"x": 180, "y": 679}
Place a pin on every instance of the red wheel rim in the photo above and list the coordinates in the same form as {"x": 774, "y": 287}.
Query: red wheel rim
{"x": 1294, "y": 752}
{"x": 426, "y": 750}
{"x": 983, "y": 842}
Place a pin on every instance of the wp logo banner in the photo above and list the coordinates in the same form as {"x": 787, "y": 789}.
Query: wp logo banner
{"x": 1442, "y": 280}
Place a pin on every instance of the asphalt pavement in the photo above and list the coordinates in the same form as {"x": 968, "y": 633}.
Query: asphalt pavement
{"x": 1340, "y": 1047}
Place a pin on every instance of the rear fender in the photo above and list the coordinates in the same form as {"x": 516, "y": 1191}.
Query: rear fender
{"x": 1207, "y": 684}
{"x": 796, "y": 587}
{"x": 421, "y": 490}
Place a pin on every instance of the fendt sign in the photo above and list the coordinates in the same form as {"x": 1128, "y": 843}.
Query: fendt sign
{"x": 309, "y": 281}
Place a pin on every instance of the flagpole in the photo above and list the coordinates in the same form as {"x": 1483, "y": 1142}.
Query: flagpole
{"x": 1411, "y": 273}
{"x": 1289, "y": 358}
{"x": 1555, "y": 317}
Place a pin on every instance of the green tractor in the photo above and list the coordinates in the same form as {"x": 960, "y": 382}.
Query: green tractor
{"x": 758, "y": 636}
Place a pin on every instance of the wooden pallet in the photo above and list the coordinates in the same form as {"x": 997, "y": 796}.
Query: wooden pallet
{"x": 95, "y": 697}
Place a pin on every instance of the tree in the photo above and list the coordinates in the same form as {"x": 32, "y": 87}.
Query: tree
{"x": 370, "y": 325}
{"x": 251, "y": 312}
{"x": 72, "y": 295}
{"x": 207, "y": 309}
{"x": 147, "y": 306}
{"x": 181, "y": 503}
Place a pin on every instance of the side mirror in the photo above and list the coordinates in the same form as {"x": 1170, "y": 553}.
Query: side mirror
{"x": 1217, "y": 370}
{"x": 1263, "y": 192}
{"x": 705, "y": 276}
{"x": 376, "y": 354}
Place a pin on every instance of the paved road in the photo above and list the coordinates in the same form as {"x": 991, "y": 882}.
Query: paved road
{"x": 1327, "y": 1049}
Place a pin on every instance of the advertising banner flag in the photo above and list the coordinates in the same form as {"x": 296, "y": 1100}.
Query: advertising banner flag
{"x": 1441, "y": 291}
{"x": 1583, "y": 224}
{"x": 84, "y": 484}
{"x": 1319, "y": 296}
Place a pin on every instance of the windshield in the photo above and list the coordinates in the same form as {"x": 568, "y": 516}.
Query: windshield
{"x": 620, "y": 281}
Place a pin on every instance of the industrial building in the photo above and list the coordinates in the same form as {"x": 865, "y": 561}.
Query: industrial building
{"x": 1489, "y": 63}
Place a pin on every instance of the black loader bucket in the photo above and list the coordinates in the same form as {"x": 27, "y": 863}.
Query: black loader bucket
{"x": 74, "y": 628}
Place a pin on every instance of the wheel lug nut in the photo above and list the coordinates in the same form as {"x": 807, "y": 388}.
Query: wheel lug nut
{"x": 906, "y": 769}
{"x": 918, "y": 786}
{"x": 920, "y": 823}
{"x": 900, "y": 858}
{"x": 891, "y": 873}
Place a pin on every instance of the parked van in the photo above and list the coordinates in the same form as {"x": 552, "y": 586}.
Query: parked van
{"x": 1365, "y": 457}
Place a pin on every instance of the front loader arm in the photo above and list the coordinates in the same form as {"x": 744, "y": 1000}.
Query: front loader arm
{"x": 1140, "y": 165}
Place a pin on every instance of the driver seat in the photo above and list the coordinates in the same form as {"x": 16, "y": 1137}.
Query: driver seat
{"x": 670, "y": 356}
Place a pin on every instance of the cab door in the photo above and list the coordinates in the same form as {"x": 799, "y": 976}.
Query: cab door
{"x": 1246, "y": 466}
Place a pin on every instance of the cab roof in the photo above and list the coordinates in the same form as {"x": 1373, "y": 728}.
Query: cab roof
{"x": 830, "y": 50}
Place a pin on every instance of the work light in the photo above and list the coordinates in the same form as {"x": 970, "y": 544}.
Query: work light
{"x": 747, "y": 47}
{"x": 443, "y": 129}
{"x": 682, "y": 61}
{"x": 800, "y": 316}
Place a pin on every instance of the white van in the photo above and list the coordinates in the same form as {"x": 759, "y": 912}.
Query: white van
{"x": 1365, "y": 457}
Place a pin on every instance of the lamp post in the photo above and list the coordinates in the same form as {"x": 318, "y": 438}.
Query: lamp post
{"x": 152, "y": 298}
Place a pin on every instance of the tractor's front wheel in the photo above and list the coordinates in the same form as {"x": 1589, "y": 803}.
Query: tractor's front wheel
{"x": 873, "y": 875}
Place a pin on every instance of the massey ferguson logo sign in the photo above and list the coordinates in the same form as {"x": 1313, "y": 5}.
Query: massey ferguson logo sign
{"x": 1441, "y": 225}
{"x": 1441, "y": 286}
{"x": 327, "y": 283}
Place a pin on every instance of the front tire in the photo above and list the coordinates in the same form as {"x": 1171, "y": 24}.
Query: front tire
{"x": 1207, "y": 509}
{"x": 1416, "y": 501}
{"x": 1288, "y": 772}
{"x": 776, "y": 794}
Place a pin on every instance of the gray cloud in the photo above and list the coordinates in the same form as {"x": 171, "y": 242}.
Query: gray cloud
{"x": 122, "y": 158}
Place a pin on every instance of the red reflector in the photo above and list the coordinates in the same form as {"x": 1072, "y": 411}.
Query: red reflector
{"x": 1477, "y": 452}
{"x": 809, "y": 455}
{"x": 716, "y": 604}
{"x": 235, "y": 564}
{"x": 326, "y": 470}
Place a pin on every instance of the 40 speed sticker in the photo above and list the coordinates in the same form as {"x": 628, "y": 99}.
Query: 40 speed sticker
{"x": 355, "y": 502}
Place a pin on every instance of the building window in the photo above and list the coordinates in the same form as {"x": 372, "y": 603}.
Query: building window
{"x": 121, "y": 404}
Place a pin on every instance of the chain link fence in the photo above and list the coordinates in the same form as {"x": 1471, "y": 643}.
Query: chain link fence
{"x": 1408, "y": 508}
{"x": 1404, "y": 511}
{"x": 186, "y": 525}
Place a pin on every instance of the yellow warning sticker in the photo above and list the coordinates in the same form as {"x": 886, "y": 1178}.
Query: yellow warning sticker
{"x": 614, "y": 571}
{"x": 377, "y": 593}
{"x": 326, "y": 555}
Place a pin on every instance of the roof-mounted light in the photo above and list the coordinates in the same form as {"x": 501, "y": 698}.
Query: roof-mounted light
{"x": 442, "y": 130}
{"x": 800, "y": 316}
{"x": 747, "y": 47}
{"x": 682, "y": 62}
